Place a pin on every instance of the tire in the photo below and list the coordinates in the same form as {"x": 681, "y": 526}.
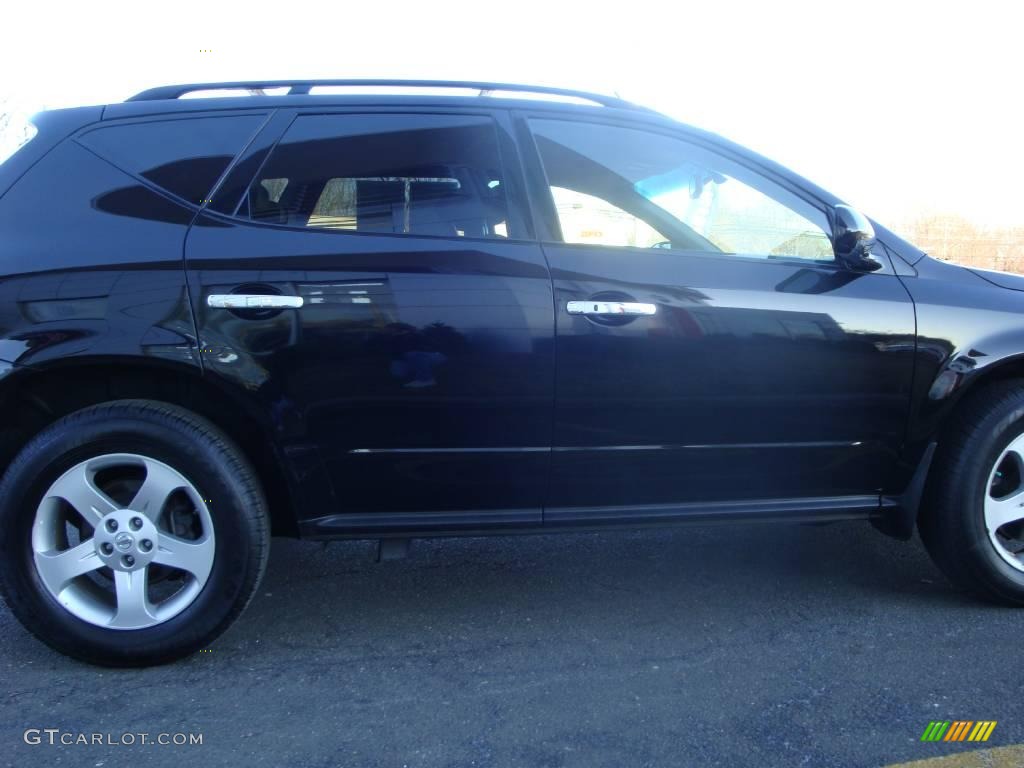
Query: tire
{"x": 179, "y": 514}
{"x": 976, "y": 482}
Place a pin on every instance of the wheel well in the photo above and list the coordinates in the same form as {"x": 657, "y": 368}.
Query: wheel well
{"x": 1009, "y": 371}
{"x": 1013, "y": 369}
{"x": 38, "y": 399}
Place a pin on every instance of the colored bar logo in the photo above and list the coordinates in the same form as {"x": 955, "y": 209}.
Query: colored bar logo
{"x": 958, "y": 730}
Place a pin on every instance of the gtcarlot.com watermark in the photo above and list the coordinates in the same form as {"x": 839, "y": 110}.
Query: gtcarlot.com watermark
{"x": 56, "y": 736}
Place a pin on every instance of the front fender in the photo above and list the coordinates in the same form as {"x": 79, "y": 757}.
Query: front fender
{"x": 969, "y": 332}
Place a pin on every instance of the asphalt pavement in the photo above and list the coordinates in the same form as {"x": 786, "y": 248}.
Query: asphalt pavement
{"x": 707, "y": 646}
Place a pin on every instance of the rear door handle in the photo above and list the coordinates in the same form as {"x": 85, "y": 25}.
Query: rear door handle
{"x": 610, "y": 308}
{"x": 253, "y": 301}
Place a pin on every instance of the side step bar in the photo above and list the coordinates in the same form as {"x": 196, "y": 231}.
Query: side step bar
{"x": 814, "y": 510}
{"x": 405, "y": 525}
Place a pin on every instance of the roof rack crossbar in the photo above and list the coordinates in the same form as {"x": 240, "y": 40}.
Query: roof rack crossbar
{"x": 302, "y": 87}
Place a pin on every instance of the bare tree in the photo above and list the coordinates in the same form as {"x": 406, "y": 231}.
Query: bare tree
{"x": 13, "y": 131}
{"x": 954, "y": 238}
{"x": 5, "y": 117}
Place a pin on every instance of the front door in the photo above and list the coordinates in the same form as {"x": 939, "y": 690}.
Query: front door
{"x": 377, "y": 290}
{"x": 709, "y": 347}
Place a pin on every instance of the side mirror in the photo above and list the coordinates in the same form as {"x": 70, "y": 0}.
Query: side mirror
{"x": 853, "y": 237}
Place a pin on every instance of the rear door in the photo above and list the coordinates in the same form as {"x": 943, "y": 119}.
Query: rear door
{"x": 710, "y": 348}
{"x": 371, "y": 277}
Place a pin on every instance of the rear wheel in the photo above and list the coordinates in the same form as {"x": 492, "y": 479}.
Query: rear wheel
{"x": 973, "y": 519}
{"x": 134, "y": 533}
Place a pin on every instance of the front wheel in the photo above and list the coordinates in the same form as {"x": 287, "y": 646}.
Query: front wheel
{"x": 972, "y": 522}
{"x": 133, "y": 533}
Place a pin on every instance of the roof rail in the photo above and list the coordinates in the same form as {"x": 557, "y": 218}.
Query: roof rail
{"x": 302, "y": 87}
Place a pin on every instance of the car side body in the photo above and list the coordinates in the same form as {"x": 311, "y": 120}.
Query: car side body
{"x": 469, "y": 401}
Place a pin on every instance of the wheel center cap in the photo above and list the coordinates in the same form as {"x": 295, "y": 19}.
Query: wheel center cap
{"x": 126, "y": 540}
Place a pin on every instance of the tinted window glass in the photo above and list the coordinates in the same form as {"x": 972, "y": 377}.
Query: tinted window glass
{"x": 404, "y": 174}
{"x": 185, "y": 156}
{"x": 618, "y": 186}
{"x": 588, "y": 219}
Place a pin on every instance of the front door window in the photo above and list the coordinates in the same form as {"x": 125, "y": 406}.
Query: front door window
{"x": 624, "y": 187}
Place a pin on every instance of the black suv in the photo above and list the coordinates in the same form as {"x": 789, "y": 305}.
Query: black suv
{"x": 387, "y": 310}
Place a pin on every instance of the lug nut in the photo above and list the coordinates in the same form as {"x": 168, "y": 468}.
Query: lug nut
{"x": 145, "y": 545}
{"x": 128, "y": 561}
{"x": 111, "y": 525}
{"x": 107, "y": 548}
{"x": 136, "y": 523}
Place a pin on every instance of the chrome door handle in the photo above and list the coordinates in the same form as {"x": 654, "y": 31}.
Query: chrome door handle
{"x": 610, "y": 308}
{"x": 253, "y": 301}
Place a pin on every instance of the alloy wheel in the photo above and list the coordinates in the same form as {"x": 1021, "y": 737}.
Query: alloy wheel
{"x": 1004, "y": 504}
{"x": 123, "y": 541}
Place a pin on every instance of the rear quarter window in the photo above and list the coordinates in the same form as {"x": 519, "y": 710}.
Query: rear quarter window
{"x": 184, "y": 156}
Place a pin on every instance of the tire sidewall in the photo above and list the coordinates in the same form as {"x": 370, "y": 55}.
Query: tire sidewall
{"x": 201, "y": 462}
{"x": 987, "y": 445}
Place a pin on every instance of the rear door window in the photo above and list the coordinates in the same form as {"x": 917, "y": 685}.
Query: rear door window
{"x": 387, "y": 173}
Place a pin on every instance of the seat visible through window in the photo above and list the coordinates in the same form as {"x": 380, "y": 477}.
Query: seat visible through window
{"x": 400, "y": 174}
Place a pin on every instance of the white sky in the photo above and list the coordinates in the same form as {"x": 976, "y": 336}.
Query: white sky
{"x": 899, "y": 107}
